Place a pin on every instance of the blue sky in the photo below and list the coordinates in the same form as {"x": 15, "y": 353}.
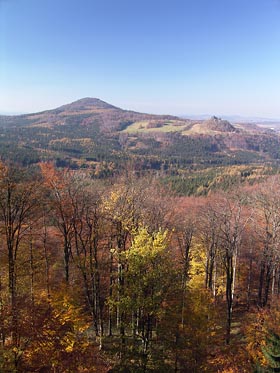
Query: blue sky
{"x": 160, "y": 56}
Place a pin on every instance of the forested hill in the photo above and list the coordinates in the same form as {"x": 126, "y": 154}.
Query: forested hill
{"x": 84, "y": 112}
{"x": 98, "y": 136}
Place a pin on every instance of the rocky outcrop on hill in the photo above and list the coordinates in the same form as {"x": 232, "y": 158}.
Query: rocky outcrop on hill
{"x": 219, "y": 125}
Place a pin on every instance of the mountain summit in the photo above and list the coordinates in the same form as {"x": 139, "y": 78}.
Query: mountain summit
{"x": 87, "y": 103}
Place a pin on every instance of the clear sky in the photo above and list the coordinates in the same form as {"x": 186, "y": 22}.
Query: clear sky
{"x": 159, "y": 56}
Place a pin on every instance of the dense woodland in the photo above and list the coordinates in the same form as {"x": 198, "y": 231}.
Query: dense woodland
{"x": 123, "y": 275}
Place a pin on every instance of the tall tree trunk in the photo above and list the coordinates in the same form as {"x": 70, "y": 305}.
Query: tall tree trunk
{"x": 229, "y": 282}
{"x": 261, "y": 284}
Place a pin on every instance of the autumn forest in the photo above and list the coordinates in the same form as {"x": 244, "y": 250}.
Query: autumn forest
{"x": 122, "y": 275}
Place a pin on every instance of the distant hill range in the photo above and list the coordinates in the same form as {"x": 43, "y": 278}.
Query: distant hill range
{"x": 235, "y": 118}
{"x": 88, "y": 132}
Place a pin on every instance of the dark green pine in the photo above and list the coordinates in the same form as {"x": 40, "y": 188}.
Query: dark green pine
{"x": 272, "y": 354}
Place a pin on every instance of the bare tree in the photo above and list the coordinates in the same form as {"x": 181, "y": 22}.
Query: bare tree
{"x": 267, "y": 201}
{"x": 18, "y": 211}
{"x": 226, "y": 222}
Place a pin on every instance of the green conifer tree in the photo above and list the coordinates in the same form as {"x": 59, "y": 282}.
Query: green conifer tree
{"x": 272, "y": 354}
